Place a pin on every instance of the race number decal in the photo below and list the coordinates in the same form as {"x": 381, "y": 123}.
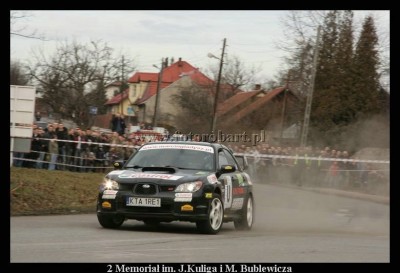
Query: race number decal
{"x": 228, "y": 192}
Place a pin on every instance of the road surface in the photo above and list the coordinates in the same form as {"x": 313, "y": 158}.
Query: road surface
{"x": 292, "y": 225}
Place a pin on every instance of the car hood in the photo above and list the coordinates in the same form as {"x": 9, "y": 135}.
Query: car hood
{"x": 130, "y": 176}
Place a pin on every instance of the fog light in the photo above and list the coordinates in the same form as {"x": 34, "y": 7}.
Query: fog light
{"x": 106, "y": 205}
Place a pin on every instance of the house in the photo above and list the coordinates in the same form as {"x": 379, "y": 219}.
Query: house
{"x": 120, "y": 103}
{"x": 271, "y": 110}
{"x": 112, "y": 89}
{"x": 175, "y": 78}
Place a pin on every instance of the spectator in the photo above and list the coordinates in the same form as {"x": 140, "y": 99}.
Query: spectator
{"x": 53, "y": 150}
{"x": 118, "y": 124}
{"x": 62, "y": 134}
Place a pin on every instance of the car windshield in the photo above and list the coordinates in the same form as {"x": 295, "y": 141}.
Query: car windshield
{"x": 186, "y": 158}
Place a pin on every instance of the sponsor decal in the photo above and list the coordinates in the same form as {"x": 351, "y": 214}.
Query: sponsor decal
{"x": 183, "y": 194}
{"x": 106, "y": 205}
{"x": 238, "y": 191}
{"x": 237, "y": 203}
{"x": 154, "y": 175}
{"x": 201, "y": 148}
{"x": 187, "y": 207}
{"x": 240, "y": 179}
{"x": 228, "y": 192}
{"x": 228, "y": 167}
{"x": 212, "y": 179}
{"x": 109, "y": 194}
{"x": 183, "y": 197}
{"x": 200, "y": 173}
{"x": 208, "y": 195}
{"x": 248, "y": 178}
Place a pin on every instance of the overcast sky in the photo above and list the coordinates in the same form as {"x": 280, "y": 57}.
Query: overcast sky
{"x": 147, "y": 36}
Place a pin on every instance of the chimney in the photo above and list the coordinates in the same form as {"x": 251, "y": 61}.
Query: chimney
{"x": 172, "y": 60}
{"x": 179, "y": 62}
{"x": 166, "y": 62}
{"x": 257, "y": 86}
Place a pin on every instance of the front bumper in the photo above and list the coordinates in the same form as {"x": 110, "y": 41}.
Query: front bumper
{"x": 170, "y": 210}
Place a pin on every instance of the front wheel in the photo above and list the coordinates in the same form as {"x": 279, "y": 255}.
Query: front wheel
{"x": 245, "y": 222}
{"x": 215, "y": 217}
{"x": 110, "y": 221}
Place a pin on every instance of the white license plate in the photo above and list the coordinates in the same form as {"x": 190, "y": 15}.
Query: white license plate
{"x": 143, "y": 202}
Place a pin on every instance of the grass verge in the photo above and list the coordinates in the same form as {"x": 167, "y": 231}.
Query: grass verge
{"x": 41, "y": 192}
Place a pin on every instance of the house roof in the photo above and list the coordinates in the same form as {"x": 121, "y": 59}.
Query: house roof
{"x": 143, "y": 77}
{"x": 258, "y": 103}
{"x": 236, "y": 100}
{"x": 151, "y": 90}
{"x": 118, "y": 98}
{"x": 170, "y": 75}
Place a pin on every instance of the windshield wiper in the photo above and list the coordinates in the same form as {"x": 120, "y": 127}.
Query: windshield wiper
{"x": 184, "y": 168}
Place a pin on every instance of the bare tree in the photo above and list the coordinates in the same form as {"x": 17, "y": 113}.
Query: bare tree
{"x": 196, "y": 107}
{"x": 236, "y": 75}
{"x": 71, "y": 76}
{"x": 18, "y": 74}
{"x": 19, "y": 28}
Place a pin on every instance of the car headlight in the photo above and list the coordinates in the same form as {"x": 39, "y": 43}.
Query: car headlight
{"x": 189, "y": 187}
{"x": 109, "y": 184}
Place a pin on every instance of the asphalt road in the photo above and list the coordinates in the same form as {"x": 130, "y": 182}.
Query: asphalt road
{"x": 292, "y": 225}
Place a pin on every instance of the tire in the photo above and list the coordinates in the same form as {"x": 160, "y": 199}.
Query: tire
{"x": 108, "y": 221}
{"x": 246, "y": 220}
{"x": 215, "y": 217}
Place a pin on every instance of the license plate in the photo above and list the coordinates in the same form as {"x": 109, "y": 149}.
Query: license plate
{"x": 143, "y": 202}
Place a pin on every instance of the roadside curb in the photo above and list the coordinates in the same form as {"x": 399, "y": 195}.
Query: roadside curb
{"x": 350, "y": 194}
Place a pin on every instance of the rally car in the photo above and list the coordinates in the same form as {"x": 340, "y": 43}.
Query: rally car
{"x": 198, "y": 182}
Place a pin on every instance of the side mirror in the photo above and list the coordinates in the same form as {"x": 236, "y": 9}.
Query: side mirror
{"x": 118, "y": 164}
{"x": 227, "y": 169}
{"x": 242, "y": 160}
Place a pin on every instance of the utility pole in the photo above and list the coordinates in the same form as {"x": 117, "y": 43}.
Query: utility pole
{"x": 214, "y": 120}
{"x": 154, "y": 123}
{"x": 284, "y": 107}
{"x": 307, "y": 112}
{"x": 122, "y": 85}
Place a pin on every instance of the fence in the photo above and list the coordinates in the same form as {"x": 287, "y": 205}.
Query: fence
{"x": 344, "y": 173}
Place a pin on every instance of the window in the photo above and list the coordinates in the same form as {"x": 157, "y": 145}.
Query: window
{"x": 133, "y": 90}
{"x": 230, "y": 159}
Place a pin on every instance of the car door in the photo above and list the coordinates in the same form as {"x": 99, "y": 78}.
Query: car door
{"x": 235, "y": 184}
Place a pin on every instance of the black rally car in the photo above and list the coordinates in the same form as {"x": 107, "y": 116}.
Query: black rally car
{"x": 178, "y": 181}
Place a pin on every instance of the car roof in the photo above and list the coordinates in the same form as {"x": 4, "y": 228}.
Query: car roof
{"x": 216, "y": 145}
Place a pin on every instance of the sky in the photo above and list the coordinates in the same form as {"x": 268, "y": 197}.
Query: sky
{"x": 148, "y": 36}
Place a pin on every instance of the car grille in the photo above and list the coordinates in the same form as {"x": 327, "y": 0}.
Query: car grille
{"x": 145, "y": 189}
{"x": 159, "y": 188}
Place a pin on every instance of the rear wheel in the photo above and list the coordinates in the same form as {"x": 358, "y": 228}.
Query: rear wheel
{"x": 245, "y": 222}
{"x": 111, "y": 221}
{"x": 215, "y": 217}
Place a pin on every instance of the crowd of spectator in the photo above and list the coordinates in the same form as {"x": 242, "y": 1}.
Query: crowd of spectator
{"x": 75, "y": 149}
{"x": 312, "y": 166}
